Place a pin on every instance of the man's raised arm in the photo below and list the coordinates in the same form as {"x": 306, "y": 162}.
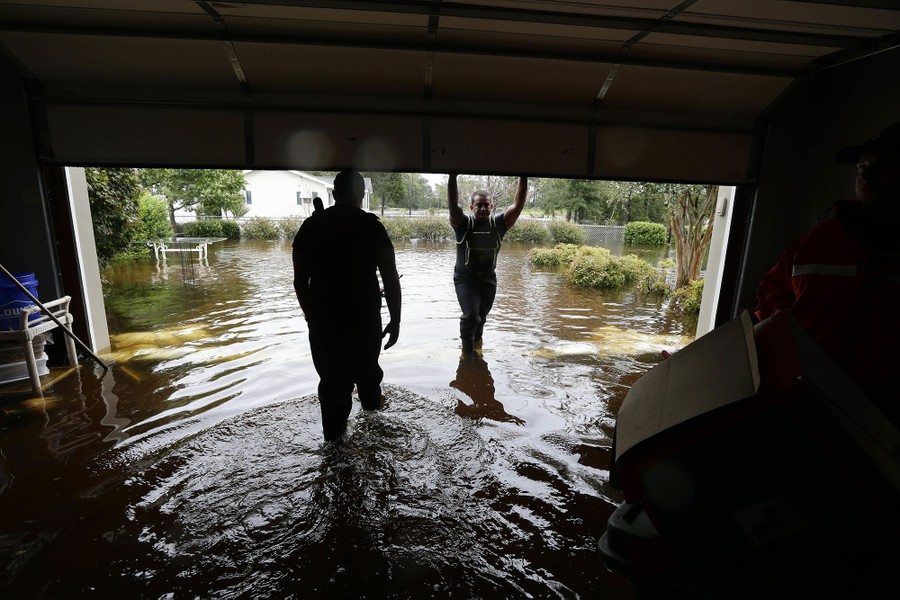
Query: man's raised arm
{"x": 511, "y": 214}
{"x": 456, "y": 213}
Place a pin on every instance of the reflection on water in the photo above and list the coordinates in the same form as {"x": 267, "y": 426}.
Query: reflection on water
{"x": 195, "y": 467}
{"x": 473, "y": 378}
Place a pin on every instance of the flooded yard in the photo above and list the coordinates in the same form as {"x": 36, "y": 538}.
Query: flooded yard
{"x": 194, "y": 467}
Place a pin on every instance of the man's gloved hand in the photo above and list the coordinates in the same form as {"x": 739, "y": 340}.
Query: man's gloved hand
{"x": 393, "y": 331}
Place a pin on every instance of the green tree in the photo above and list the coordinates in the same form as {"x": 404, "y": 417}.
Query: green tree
{"x": 579, "y": 199}
{"x": 416, "y": 191}
{"x": 628, "y": 201}
{"x": 113, "y": 196}
{"x": 440, "y": 195}
{"x": 691, "y": 209}
{"x": 387, "y": 188}
{"x": 206, "y": 191}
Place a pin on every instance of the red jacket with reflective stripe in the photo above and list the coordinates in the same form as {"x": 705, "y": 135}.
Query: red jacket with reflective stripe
{"x": 832, "y": 287}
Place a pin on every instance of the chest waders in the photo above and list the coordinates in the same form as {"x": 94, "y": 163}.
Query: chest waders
{"x": 482, "y": 248}
{"x": 476, "y": 290}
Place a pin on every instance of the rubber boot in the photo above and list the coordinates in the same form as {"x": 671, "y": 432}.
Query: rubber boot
{"x": 468, "y": 348}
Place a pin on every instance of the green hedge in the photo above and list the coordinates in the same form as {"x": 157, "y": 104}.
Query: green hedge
{"x": 231, "y": 230}
{"x": 599, "y": 269}
{"x": 596, "y": 268}
{"x": 566, "y": 232}
{"x": 398, "y": 228}
{"x": 645, "y": 234}
{"x": 212, "y": 228}
{"x": 288, "y": 226}
{"x": 561, "y": 254}
{"x": 203, "y": 228}
{"x": 546, "y": 257}
{"x": 260, "y": 228}
{"x": 433, "y": 229}
{"x": 528, "y": 231}
{"x": 689, "y": 296}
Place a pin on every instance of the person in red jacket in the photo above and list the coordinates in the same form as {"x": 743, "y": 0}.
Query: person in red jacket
{"x": 841, "y": 281}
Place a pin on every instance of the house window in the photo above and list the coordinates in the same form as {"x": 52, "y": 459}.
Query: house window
{"x": 249, "y": 196}
{"x": 299, "y": 198}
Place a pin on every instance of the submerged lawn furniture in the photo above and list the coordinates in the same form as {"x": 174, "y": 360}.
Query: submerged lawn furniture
{"x": 31, "y": 328}
{"x": 200, "y": 245}
{"x": 788, "y": 491}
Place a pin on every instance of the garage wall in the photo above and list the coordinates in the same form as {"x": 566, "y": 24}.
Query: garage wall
{"x": 24, "y": 226}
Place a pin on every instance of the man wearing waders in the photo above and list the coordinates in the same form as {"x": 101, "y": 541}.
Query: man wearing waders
{"x": 336, "y": 254}
{"x": 478, "y": 238}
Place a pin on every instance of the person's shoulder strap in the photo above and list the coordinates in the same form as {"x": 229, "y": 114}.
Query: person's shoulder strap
{"x": 498, "y": 226}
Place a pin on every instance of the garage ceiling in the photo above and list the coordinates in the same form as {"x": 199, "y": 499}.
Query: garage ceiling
{"x": 570, "y": 88}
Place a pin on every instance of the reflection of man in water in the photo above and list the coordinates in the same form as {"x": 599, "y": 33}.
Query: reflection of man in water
{"x": 336, "y": 254}
{"x": 473, "y": 378}
{"x": 478, "y": 240}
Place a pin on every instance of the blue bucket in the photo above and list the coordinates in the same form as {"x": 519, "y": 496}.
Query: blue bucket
{"x": 13, "y": 300}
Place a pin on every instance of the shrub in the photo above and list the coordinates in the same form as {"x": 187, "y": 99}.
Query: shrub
{"x": 598, "y": 268}
{"x": 153, "y": 219}
{"x": 636, "y": 269}
{"x": 644, "y": 233}
{"x": 658, "y": 286}
{"x": 545, "y": 257}
{"x": 594, "y": 269}
{"x": 568, "y": 251}
{"x": 528, "y": 231}
{"x": 204, "y": 228}
{"x": 566, "y": 232}
{"x": 231, "y": 230}
{"x": 689, "y": 296}
{"x": 398, "y": 228}
{"x": 260, "y": 228}
{"x": 288, "y": 226}
{"x": 433, "y": 229}
{"x": 561, "y": 254}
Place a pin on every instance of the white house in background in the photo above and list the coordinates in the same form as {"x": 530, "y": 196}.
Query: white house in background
{"x": 279, "y": 194}
{"x": 276, "y": 194}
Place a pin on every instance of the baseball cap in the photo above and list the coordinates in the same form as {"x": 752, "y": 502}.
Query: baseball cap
{"x": 887, "y": 141}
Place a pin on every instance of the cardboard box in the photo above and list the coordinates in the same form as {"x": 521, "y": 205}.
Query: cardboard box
{"x": 752, "y": 453}
{"x": 715, "y": 370}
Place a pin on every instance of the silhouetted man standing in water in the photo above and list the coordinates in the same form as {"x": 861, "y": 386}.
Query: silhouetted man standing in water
{"x": 336, "y": 254}
{"x": 478, "y": 238}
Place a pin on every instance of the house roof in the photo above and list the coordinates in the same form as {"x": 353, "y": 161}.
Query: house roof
{"x": 565, "y": 87}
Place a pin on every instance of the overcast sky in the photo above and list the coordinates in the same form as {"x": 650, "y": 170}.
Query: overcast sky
{"x": 434, "y": 178}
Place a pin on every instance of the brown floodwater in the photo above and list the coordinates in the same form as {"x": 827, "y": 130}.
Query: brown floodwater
{"x": 194, "y": 467}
